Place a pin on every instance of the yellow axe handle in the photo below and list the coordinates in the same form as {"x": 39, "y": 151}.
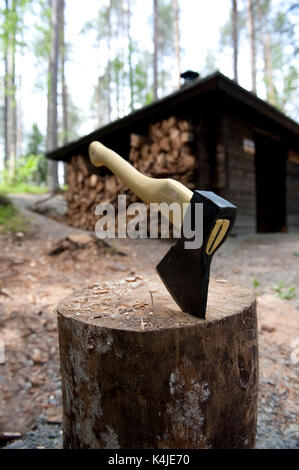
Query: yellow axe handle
{"x": 146, "y": 188}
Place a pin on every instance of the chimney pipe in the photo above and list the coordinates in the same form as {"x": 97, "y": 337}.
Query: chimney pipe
{"x": 189, "y": 77}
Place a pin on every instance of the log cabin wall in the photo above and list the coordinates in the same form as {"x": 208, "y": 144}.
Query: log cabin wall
{"x": 238, "y": 171}
{"x": 292, "y": 191}
{"x": 224, "y": 166}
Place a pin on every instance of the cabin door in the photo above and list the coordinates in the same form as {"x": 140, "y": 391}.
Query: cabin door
{"x": 270, "y": 164}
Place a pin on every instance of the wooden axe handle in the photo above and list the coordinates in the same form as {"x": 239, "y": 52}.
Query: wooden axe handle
{"x": 146, "y": 188}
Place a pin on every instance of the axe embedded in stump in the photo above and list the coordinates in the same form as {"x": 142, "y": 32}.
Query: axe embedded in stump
{"x": 184, "y": 271}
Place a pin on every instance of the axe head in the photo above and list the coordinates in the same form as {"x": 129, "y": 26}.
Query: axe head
{"x": 186, "y": 272}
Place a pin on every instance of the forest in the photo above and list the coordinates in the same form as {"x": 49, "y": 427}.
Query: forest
{"x": 128, "y": 72}
{"x": 127, "y": 341}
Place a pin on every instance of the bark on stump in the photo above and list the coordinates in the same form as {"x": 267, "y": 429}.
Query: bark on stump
{"x": 138, "y": 373}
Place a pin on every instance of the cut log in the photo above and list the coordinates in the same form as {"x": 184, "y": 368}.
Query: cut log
{"x": 165, "y": 144}
{"x": 82, "y": 165}
{"x": 187, "y": 137}
{"x": 93, "y": 181}
{"x": 144, "y": 151}
{"x": 134, "y": 155}
{"x": 184, "y": 126}
{"x": 160, "y": 154}
{"x": 138, "y": 373}
{"x": 137, "y": 141}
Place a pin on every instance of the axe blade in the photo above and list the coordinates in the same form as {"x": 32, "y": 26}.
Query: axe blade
{"x": 186, "y": 272}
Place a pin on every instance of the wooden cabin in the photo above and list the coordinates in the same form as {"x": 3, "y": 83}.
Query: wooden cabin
{"x": 239, "y": 146}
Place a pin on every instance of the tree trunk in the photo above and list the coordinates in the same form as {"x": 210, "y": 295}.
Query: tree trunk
{"x": 138, "y": 373}
{"x": 10, "y": 94}
{"x": 6, "y": 96}
{"x": 265, "y": 39}
{"x": 251, "y": 32}
{"x": 177, "y": 41}
{"x": 109, "y": 60}
{"x": 52, "y": 134}
{"x": 63, "y": 83}
{"x": 156, "y": 47}
{"x": 235, "y": 37}
{"x": 130, "y": 52}
{"x": 19, "y": 123}
{"x": 268, "y": 67}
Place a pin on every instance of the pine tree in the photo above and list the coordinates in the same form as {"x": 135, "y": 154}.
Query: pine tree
{"x": 52, "y": 134}
{"x": 177, "y": 40}
{"x": 235, "y": 31}
{"x": 251, "y": 33}
{"x": 12, "y": 19}
{"x": 156, "y": 48}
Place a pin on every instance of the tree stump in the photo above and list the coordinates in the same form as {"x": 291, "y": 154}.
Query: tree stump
{"x": 138, "y": 373}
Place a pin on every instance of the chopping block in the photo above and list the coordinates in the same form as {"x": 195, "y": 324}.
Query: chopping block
{"x": 138, "y": 373}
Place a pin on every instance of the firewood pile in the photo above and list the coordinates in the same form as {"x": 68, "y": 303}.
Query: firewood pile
{"x": 166, "y": 152}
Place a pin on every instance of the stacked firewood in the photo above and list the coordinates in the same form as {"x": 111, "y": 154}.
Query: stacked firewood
{"x": 166, "y": 152}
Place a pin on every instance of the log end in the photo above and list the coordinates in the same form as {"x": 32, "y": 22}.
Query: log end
{"x": 136, "y": 304}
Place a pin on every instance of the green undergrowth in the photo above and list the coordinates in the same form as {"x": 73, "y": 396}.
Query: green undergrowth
{"x": 21, "y": 188}
{"x": 11, "y": 220}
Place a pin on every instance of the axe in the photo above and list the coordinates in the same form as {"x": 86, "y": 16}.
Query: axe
{"x": 185, "y": 272}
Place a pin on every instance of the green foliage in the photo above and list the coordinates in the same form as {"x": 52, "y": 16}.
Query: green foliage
{"x": 74, "y": 120}
{"x": 11, "y": 221}
{"x": 272, "y": 21}
{"x": 35, "y": 141}
{"x": 255, "y": 283}
{"x": 142, "y": 90}
{"x": 26, "y": 168}
{"x": 12, "y": 23}
{"x": 100, "y": 100}
{"x": 30, "y": 170}
{"x": 285, "y": 292}
{"x": 296, "y": 253}
{"x": 166, "y": 27}
{"x": 35, "y": 169}
{"x": 226, "y": 31}
{"x": 210, "y": 63}
{"x": 21, "y": 188}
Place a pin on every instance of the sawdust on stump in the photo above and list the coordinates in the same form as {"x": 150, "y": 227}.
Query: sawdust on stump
{"x": 137, "y": 372}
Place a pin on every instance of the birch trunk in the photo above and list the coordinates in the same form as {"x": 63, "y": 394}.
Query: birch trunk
{"x": 177, "y": 41}
{"x": 63, "y": 84}
{"x": 5, "y": 97}
{"x": 52, "y": 96}
{"x": 109, "y": 61}
{"x": 130, "y": 44}
{"x": 235, "y": 37}
{"x": 156, "y": 46}
{"x": 251, "y": 32}
{"x": 10, "y": 96}
{"x": 268, "y": 68}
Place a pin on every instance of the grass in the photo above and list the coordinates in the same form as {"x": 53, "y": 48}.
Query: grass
{"x": 20, "y": 188}
{"x": 11, "y": 221}
{"x": 285, "y": 292}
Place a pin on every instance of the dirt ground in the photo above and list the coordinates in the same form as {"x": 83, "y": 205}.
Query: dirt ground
{"x": 32, "y": 283}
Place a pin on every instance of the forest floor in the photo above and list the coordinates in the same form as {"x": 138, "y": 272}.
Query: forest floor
{"x": 32, "y": 282}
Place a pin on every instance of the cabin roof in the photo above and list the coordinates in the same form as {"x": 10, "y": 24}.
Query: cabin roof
{"x": 116, "y": 134}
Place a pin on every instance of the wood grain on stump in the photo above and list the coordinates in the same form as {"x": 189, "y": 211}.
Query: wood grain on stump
{"x": 139, "y": 373}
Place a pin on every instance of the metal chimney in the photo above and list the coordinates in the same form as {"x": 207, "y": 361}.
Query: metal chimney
{"x": 189, "y": 76}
